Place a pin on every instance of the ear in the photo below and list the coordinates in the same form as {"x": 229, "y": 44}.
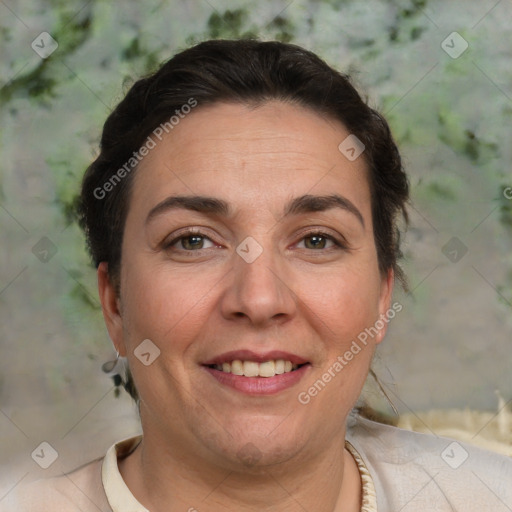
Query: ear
{"x": 110, "y": 305}
{"x": 386, "y": 293}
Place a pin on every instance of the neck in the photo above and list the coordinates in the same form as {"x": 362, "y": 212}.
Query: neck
{"x": 164, "y": 477}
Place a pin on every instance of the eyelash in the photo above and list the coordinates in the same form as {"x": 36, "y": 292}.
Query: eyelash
{"x": 192, "y": 232}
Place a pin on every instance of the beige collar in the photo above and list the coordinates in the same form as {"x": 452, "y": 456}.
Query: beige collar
{"x": 368, "y": 495}
{"x": 121, "y": 499}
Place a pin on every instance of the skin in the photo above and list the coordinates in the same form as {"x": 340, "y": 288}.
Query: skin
{"x": 193, "y": 304}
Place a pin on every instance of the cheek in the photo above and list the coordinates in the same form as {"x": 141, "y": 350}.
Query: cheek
{"x": 168, "y": 308}
{"x": 345, "y": 300}
{"x": 162, "y": 305}
{"x": 346, "y": 311}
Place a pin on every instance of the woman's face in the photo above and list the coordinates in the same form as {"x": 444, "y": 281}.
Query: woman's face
{"x": 269, "y": 273}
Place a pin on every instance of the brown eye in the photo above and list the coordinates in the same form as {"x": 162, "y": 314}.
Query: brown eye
{"x": 315, "y": 242}
{"x": 190, "y": 241}
{"x": 319, "y": 241}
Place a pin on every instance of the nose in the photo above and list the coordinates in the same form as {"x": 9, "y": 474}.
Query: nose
{"x": 259, "y": 291}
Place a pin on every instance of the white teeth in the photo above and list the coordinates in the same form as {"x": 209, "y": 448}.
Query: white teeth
{"x": 254, "y": 369}
{"x": 251, "y": 369}
{"x": 237, "y": 367}
{"x": 267, "y": 369}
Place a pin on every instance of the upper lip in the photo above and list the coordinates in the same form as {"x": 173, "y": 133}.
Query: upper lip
{"x": 249, "y": 355}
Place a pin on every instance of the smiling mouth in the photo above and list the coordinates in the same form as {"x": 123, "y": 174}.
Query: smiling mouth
{"x": 254, "y": 369}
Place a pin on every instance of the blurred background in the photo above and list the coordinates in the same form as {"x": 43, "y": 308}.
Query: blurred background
{"x": 441, "y": 72}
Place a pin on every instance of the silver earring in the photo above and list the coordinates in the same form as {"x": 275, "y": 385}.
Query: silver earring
{"x": 115, "y": 368}
{"x": 110, "y": 365}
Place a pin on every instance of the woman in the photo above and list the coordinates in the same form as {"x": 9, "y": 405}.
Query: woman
{"x": 242, "y": 215}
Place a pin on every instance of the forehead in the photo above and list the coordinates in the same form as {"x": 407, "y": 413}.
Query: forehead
{"x": 249, "y": 154}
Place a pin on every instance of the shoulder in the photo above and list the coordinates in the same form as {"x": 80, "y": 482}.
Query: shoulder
{"x": 414, "y": 471}
{"x": 78, "y": 491}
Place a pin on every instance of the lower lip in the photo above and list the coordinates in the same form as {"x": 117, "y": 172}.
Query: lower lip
{"x": 259, "y": 385}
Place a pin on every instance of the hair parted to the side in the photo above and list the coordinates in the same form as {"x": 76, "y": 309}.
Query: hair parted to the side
{"x": 248, "y": 72}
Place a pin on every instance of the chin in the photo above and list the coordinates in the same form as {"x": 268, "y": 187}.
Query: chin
{"x": 257, "y": 446}
{"x": 259, "y": 454}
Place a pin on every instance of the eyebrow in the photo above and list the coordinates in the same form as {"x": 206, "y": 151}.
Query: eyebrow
{"x": 213, "y": 206}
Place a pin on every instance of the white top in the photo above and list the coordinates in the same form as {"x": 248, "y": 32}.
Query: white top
{"x": 400, "y": 471}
